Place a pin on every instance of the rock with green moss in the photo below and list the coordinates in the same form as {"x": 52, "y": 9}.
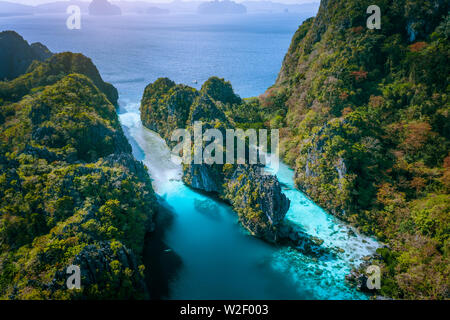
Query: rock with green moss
{"x": 257, "y": 198}
{"x": 165, "y": 106}
{"x": 220, "y": 90}
{"x": 367, "y": 131}
{"x": 41, "y": 74}
{"x": 71, "y": 191}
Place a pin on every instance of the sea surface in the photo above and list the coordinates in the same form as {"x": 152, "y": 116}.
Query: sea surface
{"x": 219, "y": 259}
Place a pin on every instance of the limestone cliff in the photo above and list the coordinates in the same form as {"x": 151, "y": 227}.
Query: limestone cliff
{"x": 256, "y": 198}
{"x": 367, "y": 130}
{"x": 41, "y": 74}
{"x": 71, "y": 192}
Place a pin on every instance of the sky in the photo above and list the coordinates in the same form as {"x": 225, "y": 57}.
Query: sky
{"x": 34, "y": 2}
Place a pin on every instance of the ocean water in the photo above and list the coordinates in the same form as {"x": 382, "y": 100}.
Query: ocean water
{"x": 219, "y": 259}
{"x": 133, "y": 50}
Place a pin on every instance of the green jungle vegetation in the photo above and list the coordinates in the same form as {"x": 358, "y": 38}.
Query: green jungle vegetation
{"x": 365, "y": 121}
{"x": 257, "y": 199}
{"x": 71, "y": 191}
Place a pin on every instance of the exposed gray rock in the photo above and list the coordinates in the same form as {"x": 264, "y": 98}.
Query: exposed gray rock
{"x": 292, "y": 235}
{"x": 203, "y": 177}
{"x": 95, "y": 266}
{"x": 270, "y": 199}
{"x": 256, "y": 197}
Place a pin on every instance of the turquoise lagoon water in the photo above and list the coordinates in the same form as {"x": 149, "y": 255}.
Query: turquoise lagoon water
{"x": 219, "y": 259}
{"x": 222, "y": 261}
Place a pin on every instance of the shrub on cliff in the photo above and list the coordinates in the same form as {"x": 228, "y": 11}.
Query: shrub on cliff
{"x": 71, "y": 191}
{"x": 41, "y": 74}
{"x": 366, "y": 130}
{"x": 257, "y": 199}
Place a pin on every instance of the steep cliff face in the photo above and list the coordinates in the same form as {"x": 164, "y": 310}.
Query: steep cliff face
{"x": 71, "y": 191}
{"x": 165, "y": 106}
{"x": 367, "y": 130}
{"x": 256, "y": 198}
{"x": 16, "y": 55}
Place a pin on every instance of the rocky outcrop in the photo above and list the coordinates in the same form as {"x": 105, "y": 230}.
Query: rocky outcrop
{"x": 257, "y": 198}
{"x": 16, "y": 55}
{"x": 310, "y": 167}
{"x": 99, "y": 265}
{"x": 220, "y": 91}
{"x": 165, "y": 106}
{"x": 291, "y": 234}
{"x": 359, "y": 277}
{"x": 40, "y": 74}
{"x": 203, "y": 177}
{"x": 79, "y": 196}
{"x": 127, "y": 160}
{"x": 68, "y": 62}
{"x": 355, "y": 154}
{"x": 95, "y": 262}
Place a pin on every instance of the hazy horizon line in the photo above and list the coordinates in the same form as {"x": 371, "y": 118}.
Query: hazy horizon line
{"x": 39, "y": 2}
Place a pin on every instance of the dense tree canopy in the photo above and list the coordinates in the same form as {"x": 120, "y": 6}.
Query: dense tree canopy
{"x": 71, "y": 191}
{"x": 367, "y": 130}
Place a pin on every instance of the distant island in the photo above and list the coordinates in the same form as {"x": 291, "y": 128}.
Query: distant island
{"x": 111, "y": 7}
{"x": 103, "y": 8}
{"x": 253, "y": 6}
{"x": 221, "y": 7}
{"x": 156, "y": 10}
